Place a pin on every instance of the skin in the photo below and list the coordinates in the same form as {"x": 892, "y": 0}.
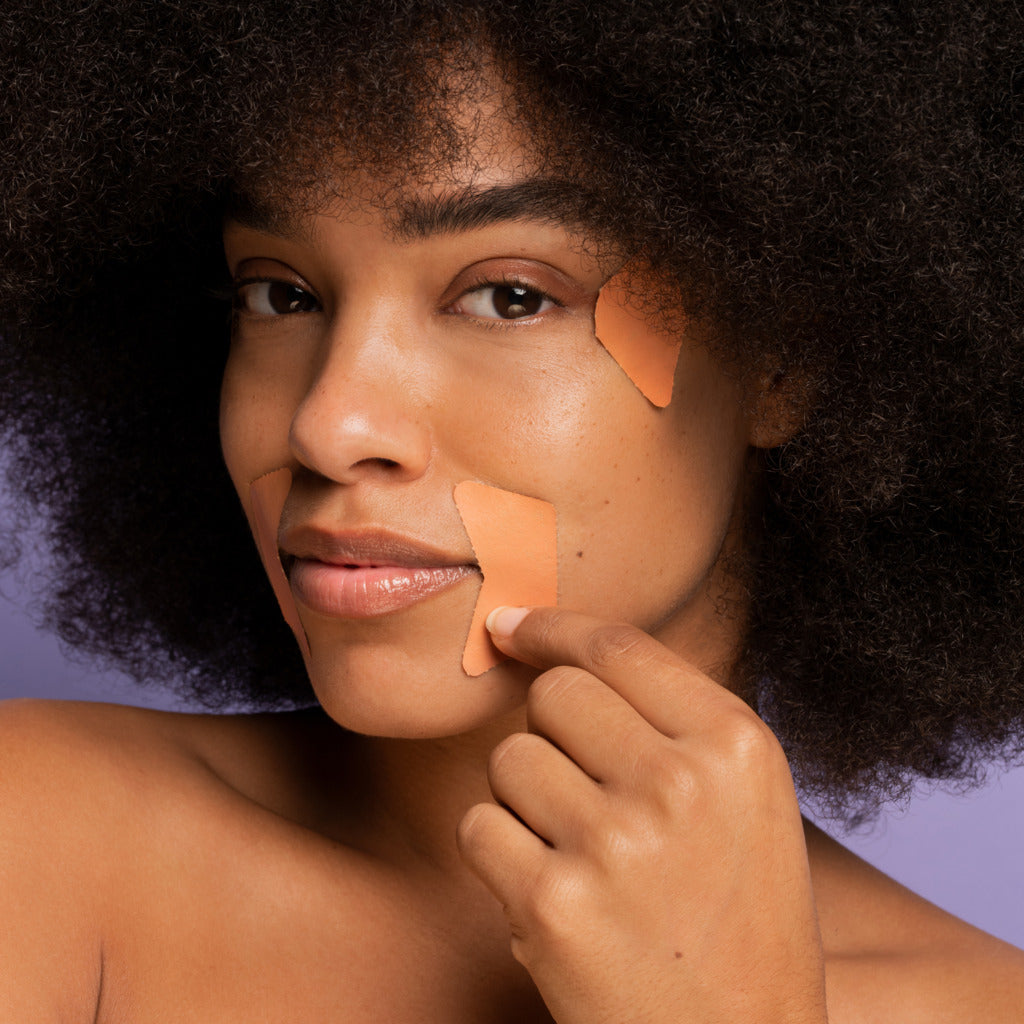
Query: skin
{"x": 386, "y": 448}
{"x": 598, "y": 830}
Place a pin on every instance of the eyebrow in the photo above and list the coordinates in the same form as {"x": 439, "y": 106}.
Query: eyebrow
{"x": 254, "y": 212}
{"x": 549, "y": 200}
{"x": 552, "y": 200}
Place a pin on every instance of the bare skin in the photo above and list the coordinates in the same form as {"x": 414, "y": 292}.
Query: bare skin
{"x": 160, "y": 867}
{"x": 598, "y": 830}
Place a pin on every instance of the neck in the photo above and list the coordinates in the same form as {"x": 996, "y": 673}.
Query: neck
{"x": 404, "y": 798}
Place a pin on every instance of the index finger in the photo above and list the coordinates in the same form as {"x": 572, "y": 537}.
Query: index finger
{"x": 652, "y": 678}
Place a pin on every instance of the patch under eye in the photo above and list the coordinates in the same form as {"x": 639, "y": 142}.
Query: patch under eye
{"x": 505, "y": 302}
{"x": 274, "y": 298}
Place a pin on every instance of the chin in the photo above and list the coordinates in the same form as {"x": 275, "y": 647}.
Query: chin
{"x": 400, "y": 675}
{"x": 401, "y": 691}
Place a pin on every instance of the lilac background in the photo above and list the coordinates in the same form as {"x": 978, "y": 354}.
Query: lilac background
{"x": 959, "y": 852}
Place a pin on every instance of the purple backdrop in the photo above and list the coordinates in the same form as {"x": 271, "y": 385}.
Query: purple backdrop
{"x": 959, "y": 852}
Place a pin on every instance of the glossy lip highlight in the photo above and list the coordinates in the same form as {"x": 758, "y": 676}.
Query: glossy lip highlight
{"x": 365, "y": 573}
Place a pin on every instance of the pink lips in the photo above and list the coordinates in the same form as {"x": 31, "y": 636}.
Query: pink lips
{"x": 355, "y": 592}
{"x": 360, "y": 575}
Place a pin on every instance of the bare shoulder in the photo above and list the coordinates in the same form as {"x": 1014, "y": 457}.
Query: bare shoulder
{"x": 892, "y": 955}
{"x": 50, "y": 750}
{"x": 86, "y": 792}
{"x": 66, "y": 766}
{"x": 58, "y": 793}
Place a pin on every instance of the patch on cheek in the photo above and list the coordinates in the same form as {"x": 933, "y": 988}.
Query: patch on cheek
{"x": 514, "y": 540}
{"x": 268, "y": 494}
{"x": 646, "y": 356}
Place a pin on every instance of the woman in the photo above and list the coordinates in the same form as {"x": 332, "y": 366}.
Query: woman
{"x": 448, "y": 235}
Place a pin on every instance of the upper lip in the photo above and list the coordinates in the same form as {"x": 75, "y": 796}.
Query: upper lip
{"x": 367, "y": 546}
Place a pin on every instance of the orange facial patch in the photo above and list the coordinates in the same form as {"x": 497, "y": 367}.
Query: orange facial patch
{"x": 514, "y": 541}
{"x": 646, "y": 356}
{"x": 268, "y": 494}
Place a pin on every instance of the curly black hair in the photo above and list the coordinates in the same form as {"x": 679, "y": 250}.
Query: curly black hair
{"x": 838, "y": 186}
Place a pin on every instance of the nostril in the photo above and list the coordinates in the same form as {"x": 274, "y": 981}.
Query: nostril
{"x": 366, "y": 435}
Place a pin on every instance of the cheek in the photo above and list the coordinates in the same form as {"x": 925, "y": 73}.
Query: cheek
{"x": 521, "y": 422}
{"x": 254, "y": 423}
{"x": 644, "y": 496}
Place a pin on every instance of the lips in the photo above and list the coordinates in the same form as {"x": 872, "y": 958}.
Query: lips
{"x": 360, "y": 574}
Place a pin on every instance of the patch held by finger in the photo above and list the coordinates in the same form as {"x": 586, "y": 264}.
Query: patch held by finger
{"x": 514, "y": 538}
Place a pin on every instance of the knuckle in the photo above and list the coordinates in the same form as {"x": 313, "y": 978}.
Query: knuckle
{"x": 609, "y": 645}
{"x": 674, "y": 785}
{"x": 615, "y": 844}
{"x": 748, "y": 741}
{"x": 672, "y": 776}
{"x": 510, "y": 753}
{"x": 474, "y": 828}
{"x": 551, "y": 688}
{"x": 628, "y": 847}
{"x": 546, "y": 625}
{"x": 553, "y": 903}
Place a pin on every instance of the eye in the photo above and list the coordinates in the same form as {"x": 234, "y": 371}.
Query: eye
{"x": 505, "y": 301}
{"x": 273, "y": 298}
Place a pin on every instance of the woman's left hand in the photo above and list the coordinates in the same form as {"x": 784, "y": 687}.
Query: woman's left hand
{"x": 646, "y": 841}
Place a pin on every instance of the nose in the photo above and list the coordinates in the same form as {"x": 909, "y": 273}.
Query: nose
{"x": 364, "y": 414}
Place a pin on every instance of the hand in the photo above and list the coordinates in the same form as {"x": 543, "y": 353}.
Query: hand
{"x": 646, "y": 842}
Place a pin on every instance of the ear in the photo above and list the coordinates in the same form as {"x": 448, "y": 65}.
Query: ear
{"x": 780, "y": 402}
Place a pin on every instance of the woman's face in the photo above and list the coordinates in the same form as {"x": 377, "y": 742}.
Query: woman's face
{"x": 386, "y": 354}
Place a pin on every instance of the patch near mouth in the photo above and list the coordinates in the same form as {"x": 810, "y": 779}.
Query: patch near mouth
{"x": 646, "y": 356}
{"x": 268, "y": 494}
{"x": 514, "y": 539}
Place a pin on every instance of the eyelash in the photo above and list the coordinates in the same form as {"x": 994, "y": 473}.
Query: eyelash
{"x": 505, "y": 281}
{"x": 233, "y": 295}
{"x": 237, "y": 288}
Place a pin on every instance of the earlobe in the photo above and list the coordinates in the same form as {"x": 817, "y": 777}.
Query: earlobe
{"x": 780, "y": 405}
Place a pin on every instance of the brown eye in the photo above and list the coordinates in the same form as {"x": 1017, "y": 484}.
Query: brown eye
{"x": 505, "y": 302}
{"x": 511, "y": 301}
{"x": 273, "y": 298}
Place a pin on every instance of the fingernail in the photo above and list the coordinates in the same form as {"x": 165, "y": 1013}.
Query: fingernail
{"x": 502, "y": 621}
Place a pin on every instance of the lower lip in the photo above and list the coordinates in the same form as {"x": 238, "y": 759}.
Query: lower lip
{"x": 360, "y": 592}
